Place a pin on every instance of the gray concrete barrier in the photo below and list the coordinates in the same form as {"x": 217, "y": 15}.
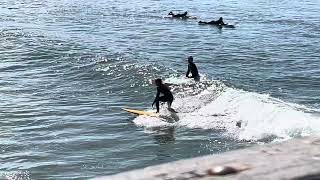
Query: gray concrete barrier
{"x": 296, "y": 159}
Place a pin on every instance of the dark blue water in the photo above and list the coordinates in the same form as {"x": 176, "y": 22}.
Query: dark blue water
{"x": 68, "y": 67}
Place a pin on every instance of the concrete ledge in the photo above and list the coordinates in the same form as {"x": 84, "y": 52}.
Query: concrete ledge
{"x": 297, "y": 159}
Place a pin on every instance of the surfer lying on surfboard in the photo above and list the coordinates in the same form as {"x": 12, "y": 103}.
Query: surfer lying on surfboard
{"x": 167, "y": 95}
{"x": 184, "y": 15}
{"x": 218, "y": 23}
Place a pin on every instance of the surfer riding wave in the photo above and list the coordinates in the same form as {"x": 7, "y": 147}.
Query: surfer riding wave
{"x": 167, "y": 95}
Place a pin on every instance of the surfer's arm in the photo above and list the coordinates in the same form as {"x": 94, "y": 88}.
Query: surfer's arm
{"x": 157, "y": 97}
{"x": 188, "y": 71}
{"x": 169, "y": 84}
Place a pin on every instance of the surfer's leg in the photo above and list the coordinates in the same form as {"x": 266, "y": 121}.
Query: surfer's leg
{"x": 196, "y": 78}
{"x": 157, "y": 105}
{"x": 162, "y": 99}
{"x": 169, "y": 104}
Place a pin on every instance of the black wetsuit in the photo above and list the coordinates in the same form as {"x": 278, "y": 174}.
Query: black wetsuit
{"x": 184, "y": 15}
{"x": 219, "y": 22}
{"x": 167, "y": 96}
{"x": 213, "y": 22}
{"x": 194, "y": 71}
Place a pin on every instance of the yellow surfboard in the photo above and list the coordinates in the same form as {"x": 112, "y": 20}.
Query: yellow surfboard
{"x": 139, "y": 112}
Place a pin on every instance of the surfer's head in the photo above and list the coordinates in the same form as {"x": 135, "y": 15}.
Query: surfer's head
{"x": 190, "y": 59}
{"x": 170, "y": 13}
{"x": 158, "y": 82}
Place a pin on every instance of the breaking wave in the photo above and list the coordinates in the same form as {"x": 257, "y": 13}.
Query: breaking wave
{"x": 243, "y": 115}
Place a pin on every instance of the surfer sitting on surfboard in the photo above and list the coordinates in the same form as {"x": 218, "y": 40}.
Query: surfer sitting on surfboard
{"x": 193, "y": 69}
{"x": 167, "y": 95}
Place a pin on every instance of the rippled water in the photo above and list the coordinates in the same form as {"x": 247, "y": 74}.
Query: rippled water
{"x": 68, "y": 67}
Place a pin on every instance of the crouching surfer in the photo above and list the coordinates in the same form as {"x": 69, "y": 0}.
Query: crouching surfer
{"x": 166, "y": 97}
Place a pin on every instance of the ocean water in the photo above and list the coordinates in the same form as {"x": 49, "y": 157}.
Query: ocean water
{"x": 67, "y": 67}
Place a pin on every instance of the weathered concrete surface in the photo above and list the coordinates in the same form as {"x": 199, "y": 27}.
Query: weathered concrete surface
{"x": 297, "y": 159}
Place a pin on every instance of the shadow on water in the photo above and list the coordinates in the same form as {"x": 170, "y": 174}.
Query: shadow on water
{"x": 172, "y": 117}
{"x": 164, "y": 135}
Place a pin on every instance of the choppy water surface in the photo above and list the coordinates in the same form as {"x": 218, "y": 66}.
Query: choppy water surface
{"x": 67, "y": 67}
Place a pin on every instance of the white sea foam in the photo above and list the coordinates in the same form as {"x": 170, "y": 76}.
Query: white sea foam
{"x": 150, "y": 122}
{"x": 258, "y": 115}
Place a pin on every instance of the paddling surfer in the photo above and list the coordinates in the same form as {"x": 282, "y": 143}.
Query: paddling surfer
{"x": 213, "y": 22}
{"x": 167, "y": 95}
{"x": 184, "y": 15}
{"x": 219, "y": 23}
{"x": 193, "y": 69}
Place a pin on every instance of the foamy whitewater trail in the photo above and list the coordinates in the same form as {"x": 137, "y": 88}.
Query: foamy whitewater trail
{"x": 243, "y": 115}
